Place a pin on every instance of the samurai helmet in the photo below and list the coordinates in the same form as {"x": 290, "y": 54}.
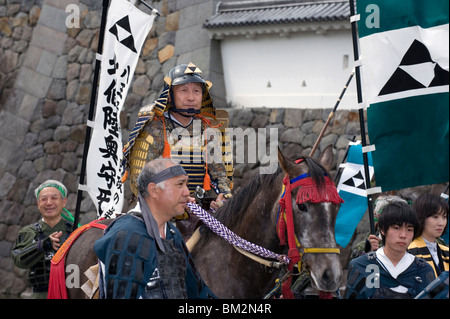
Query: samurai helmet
{"x": 186, "y": 73}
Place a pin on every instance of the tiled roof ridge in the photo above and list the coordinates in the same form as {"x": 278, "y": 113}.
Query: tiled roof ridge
{"x": 266, "y": 4}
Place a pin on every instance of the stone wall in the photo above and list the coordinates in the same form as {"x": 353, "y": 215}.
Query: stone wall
{"x": 298, "y": 130}
{"x": 46, "y": 72}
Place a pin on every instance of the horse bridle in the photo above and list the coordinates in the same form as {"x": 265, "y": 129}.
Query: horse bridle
{"x": 307, "y": 192}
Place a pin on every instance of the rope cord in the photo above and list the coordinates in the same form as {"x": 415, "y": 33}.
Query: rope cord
{"x": 220, "y": 229}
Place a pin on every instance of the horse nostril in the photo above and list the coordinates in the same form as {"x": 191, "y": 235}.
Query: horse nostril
{"x": 327, "y": 276}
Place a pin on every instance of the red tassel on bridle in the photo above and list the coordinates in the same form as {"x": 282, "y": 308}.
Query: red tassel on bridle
{"x": 309, "y": 192}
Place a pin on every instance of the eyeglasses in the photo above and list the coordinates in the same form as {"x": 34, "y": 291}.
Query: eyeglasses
{"x": 53, "y": 198}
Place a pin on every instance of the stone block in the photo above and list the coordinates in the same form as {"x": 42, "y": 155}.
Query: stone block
{"x": 34, "y": 14}
{"x": 260, "y": 121}
{"x": 166, "y": 38}
{"x": 57, "y": 89}
{"x": 149, "y": 45}
{"x": 60, "y": 67}
{"x": 46, "y": 63}
{"x": 18, "y": 191}
{"x": 5, "y": 26}
{"x": 172, "y": 21}
{"x": 6, "y": 182}
{"x": 292, "y": 135}
{"x": 141, "y": 85}
{"x": 191, "y": 39}
{"x": 293, "y": 117}
{"x": 61, "y": 4}
{"x": 194, "y": 15}
{"x": 32, "y": 57}
{"x": 166, "y": 53}
{"x": 12, "y": 127}
{"x": 327, "y": 140}
{"x": 27, "y": 171}
{"x": 85, "y": 37}
{"x": 84, "y": 93}
{"x": 48, "y": 39}
{"x": 28, "y": 106}
{"x": 8, "y": 62}
{"x": 86, "y": 73}
{"x": 33, "y": 82}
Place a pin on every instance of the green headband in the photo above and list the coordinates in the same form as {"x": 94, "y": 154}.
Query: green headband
{"x": 54, "y": 184}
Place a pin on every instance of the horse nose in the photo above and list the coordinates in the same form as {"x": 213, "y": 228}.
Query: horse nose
{"x": 327, "y": 276}
{"x": 330, "y": 280}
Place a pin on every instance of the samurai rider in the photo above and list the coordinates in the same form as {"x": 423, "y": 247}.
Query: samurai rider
{"x": 174, "y": 127}
{"x": 37, "y": 243}
{"x": 390, "y": 272}
{"x": 143, "y": 254}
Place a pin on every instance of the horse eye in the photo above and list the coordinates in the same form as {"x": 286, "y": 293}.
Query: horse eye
{"x": 302, "y": 207}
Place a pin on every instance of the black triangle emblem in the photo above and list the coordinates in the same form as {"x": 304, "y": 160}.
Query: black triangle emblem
{"x": 417, "y": 53}
{"x": 122, "y": 30}
{"x": 356, "y": 181}
{"x": 349, "y": 182}
{"x": 400, "y": 80}
{"x": 440, "y": 77}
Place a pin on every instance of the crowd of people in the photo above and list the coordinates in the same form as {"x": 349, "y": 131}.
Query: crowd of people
{"x": 144, "y": 256}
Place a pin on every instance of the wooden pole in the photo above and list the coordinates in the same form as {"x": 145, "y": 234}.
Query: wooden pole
{"x": 330, "y": 116}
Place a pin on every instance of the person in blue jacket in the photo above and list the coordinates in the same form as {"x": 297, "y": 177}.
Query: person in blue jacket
{"x": 390, "y": 272}
{"x": 142, "y": 254}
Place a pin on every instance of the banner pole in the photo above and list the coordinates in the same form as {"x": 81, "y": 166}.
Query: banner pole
{"x": 330, "y": 116}
{"x": 361, "y": 116}
{"x": 91, "y": 111}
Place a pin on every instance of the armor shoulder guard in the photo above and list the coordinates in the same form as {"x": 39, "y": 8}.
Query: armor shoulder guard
{"x": 146, "y": 140}
{"x": 126, "y": 250}
{"x": 357, "y": 274}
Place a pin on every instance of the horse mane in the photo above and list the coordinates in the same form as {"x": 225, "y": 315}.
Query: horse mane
{"x": 317, "y": 172}
{"x": 233, "y": 210}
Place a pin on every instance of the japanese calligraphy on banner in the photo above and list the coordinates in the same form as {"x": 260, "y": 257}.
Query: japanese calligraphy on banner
{"x": 125, "y": 33}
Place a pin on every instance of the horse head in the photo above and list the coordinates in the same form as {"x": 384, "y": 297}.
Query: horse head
{"x": 315, "y": 203}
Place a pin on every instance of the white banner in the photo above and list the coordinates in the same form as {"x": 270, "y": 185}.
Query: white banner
{"x": 404, "y": 62}
{"x": 125, "y": 33}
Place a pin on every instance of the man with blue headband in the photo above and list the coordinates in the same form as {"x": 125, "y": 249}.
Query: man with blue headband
{"x": 143, "y": 255}
{"x": 37, "y": 243}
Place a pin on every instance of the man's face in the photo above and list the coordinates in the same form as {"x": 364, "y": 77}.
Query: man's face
{"x": 174, "y": 197}
{"x": 398, "y": 237}
{"x": 50, "y": 202}
{"x": 188, "y": 96}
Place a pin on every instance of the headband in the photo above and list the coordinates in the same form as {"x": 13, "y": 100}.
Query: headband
{"x": 51, "y": 183}
{"x": 168, "y": 173}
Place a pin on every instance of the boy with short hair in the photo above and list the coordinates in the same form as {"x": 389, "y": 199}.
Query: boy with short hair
{"x": 390, "y": 272}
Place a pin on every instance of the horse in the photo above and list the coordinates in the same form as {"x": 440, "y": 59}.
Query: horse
{"x": 82, "y": 254}
{"x": 252, "y": 214}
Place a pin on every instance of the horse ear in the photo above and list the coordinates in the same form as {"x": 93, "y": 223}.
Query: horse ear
{"x": 327, "y": 157}
{"x": 281, "y": 159}
{"x": 285, "y": 163}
